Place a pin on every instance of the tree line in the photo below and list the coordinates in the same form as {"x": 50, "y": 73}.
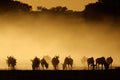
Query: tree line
{"x": 92, "y": 10}
{"x": 13, "y": 5}
{"x": 102, "y": 8}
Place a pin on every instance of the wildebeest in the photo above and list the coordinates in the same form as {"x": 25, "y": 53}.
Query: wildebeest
{"x": 11, "y": 61}
{"x": 55, "y": 62}
{"x": 90, "y": 62}
{"x": 109, "y": 60}
{"x": 44, "y": 63}
{"x": 35, "y": 63}
{"x": 101, "y": 61}
{"x": 68, "y": 62}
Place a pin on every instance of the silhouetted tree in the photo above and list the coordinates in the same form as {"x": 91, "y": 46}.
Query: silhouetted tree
{"x": 101, "y": 8}
{"x": 20, "y": 6}
{"x": 13, "y": 5}
{"x": 58, "y": 9}
{"x": 42, "y": 9}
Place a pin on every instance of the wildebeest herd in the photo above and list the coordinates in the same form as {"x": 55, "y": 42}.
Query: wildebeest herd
{"x": 67, "y": 64}
{"x": 105, "y": 63}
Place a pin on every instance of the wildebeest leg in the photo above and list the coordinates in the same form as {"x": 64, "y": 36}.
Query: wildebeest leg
{"x": 13, "y": 67}
{"x": 88, "y": 66}
{"x": 98, "y": 66}
{"x": 33, "y": 67}
{"x": 111, "y": 66}
{"x": 55, "y": 67}
{"x": 67, "y": 67}
{"x": 42, "y": 66}
{"x": 93, "y": 66}
{"x": 102, "y": 67}
{"x": 71, "y": 66}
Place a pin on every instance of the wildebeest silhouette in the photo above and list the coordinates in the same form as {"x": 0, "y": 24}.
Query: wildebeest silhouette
{"x": 101, "y": 61}
{"x": 11, "y": 61}
{"x": 44, "y": 63}
{"x": 90, "y": 62}
{"x": 109, "y": 60}
{"x": 55, "y": 62}
{"x": 68, "y": 62}
{"x": 35, "y": 63}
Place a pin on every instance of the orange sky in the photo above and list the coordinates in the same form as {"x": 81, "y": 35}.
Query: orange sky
{"x": 71, "y": 4}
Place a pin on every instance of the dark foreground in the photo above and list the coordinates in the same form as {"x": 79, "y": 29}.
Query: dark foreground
{"x": 60, "y": 75}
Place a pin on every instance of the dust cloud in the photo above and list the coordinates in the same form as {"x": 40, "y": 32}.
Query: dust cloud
{"x": 25, "y": 37}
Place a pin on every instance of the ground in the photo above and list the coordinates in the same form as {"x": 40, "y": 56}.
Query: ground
{"x": 60, "y": 75}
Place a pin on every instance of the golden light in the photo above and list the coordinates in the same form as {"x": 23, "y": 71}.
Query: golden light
{"x": 27, "y": 37}
{"x": 78, "y": 5}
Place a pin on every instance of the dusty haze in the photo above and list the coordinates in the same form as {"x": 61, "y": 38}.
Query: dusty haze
{"x": 27, "y": 37}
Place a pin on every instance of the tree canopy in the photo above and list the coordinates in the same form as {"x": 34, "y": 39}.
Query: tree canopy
{"x": 103, "y": 7}
{"x": 13, "y": 5}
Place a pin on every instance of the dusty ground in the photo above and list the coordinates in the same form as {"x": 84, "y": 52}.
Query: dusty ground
{"x": 113, "y": 74}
